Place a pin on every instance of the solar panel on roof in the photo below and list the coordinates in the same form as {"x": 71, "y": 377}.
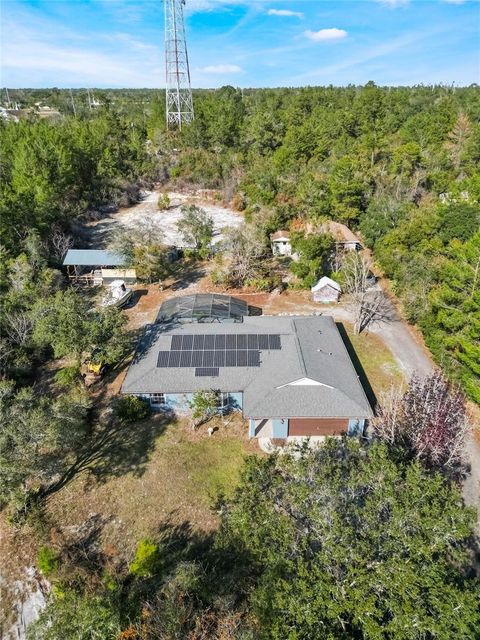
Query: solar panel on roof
{"x": 198, "y": 341}
{"x": 197, "y": 358}
{"x": 174, "y": 359}
{"x": 162, "y": 360}
{"x": 274, "y": 342}
{"x": 253, "y": 358}
{"x": 187, "y": 343}
{"x": 217, "y": 350}
{"x": 186, "y": 358}
{"x": 219, "y": 358}
{"x": 262, "y": 341}
{"x": 206, "y": 371}
{"x": 230, "y": 358}
{"x": 209, "y": 342}
{"x": 220, "y": 341}
{"x": 176, "y": 343}
{"x": 241, "y": 358}
{"x": 241, "y": 341}
{"x": 208, "y": 358}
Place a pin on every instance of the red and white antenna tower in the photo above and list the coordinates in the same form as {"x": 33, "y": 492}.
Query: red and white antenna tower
{"x": 179, "y": 103}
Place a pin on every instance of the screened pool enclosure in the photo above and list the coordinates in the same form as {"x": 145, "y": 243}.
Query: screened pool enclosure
{"x": 203, "y": 307}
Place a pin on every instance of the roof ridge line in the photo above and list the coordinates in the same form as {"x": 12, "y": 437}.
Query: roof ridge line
{"x": 299, "y": 348}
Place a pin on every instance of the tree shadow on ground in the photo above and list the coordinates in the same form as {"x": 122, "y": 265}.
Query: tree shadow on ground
{"x": 225, "y": 572}
{"x": 112, "y": 450}
{"x": 82, "y": 548}
{"x": 358, "y": 366}
{"x": 186, "y": 273}
{"x": 137, "y": 294}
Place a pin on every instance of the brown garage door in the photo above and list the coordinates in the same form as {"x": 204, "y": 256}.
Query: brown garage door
{"x": 317, "y": 426}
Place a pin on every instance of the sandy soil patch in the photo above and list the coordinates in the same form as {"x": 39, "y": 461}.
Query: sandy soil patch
{"x": 167, "y": 220}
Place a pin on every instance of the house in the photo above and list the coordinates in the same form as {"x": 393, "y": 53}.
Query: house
{"x": 97, "y": 267}
{"x": 290, "y": 376}
{"x": 345, "y": 238}
{"x": 326, "y": 290}
{"x": 280, "y": 243}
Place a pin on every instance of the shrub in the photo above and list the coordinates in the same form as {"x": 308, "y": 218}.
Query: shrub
{"x": 68, "y": 376}
{"x": 259, "y": 284}
{"x": 147, "y": 559}
{"x": 47, "y": 561}
{"x": 131, "y": 409}
{"x": 163, "y": 201}
{"x": 219, "y": 277}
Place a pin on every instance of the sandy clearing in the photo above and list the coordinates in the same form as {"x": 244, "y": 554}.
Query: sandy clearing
{"x": 167, "y": 220}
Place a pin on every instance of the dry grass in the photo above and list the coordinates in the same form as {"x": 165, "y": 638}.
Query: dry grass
{"x": 186, "y": 472}
{"x": 377, "y": 361}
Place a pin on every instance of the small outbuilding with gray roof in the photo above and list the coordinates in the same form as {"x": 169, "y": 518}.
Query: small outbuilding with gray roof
{"x": 288, "y": 375}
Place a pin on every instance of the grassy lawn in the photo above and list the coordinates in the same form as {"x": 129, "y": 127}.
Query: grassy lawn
{"x": 184, "y": 474}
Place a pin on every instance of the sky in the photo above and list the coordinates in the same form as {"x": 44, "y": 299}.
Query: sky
{"x": 244, "y": 43}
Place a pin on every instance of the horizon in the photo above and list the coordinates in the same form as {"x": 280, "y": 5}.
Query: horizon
{"x": 115, "y": 44}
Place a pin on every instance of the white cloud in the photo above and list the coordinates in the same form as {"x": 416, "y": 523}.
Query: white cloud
{"x": 455, "y": 1}
{"x": 222, "y": 68}
{"x": 285, "y": 12}
{"x": 325, "y": 34}
{"x": 393, "y": 4}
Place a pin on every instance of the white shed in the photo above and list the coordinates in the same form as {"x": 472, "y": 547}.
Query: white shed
{"x": 281, "y": 245}
{"x": 326, "y": 290}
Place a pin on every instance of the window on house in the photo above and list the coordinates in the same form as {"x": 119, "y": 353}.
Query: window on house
{"x": 222, "y": 400}
{"x": 157, "y": 399}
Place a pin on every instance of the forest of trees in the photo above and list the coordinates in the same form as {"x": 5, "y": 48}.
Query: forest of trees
{"x": 293, "y": 557}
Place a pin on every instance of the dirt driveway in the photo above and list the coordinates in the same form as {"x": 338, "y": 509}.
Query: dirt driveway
{"x": 405, "y": 342}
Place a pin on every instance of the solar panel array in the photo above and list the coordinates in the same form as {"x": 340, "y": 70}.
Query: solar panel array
{"x": 207, "y": 352}
{"x": 205, "y": 372}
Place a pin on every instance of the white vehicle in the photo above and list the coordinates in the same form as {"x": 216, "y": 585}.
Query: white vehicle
{"x": 117, "y": 295}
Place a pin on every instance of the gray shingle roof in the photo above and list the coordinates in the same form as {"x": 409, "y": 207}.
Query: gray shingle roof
{"x": 94, "y": 258}
{"x": 312, "y": 349}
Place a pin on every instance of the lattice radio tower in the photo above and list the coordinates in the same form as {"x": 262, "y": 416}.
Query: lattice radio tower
{"x": 179, "y": 103}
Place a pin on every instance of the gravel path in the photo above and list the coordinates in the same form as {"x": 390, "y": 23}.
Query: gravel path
{"x": 411, "y": 355}
{"x": 471, "y": 486}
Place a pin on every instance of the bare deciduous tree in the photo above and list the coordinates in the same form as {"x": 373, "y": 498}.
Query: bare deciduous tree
{"x": 458, "y": 138}
{"x": 6, "y": 352}
{"x": 18, "y": 327}
{"x": 245, "y": 251}
{"x": 355, "y": 270}
{"x": 369, "y": 305}
{"x": 60, "y": 243}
